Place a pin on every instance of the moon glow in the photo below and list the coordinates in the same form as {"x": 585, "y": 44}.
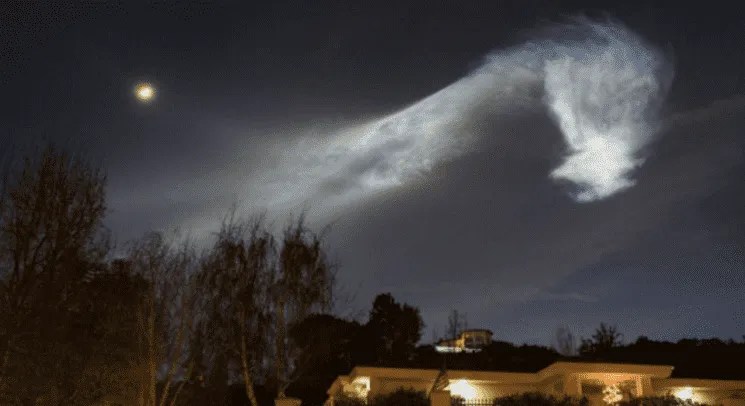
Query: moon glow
{"x": 144, "y": 92}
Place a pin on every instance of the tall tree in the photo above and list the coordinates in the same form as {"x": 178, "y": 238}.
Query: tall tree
{"x": 456, "y": 324}
{"x": 51, "y": 213}
{"x": 302, "y": 284}
{"x": 564, "y": 342}
{"x": 164, "y": 315}
{"x": 326, "y": 347}
{"x": 396, "y": 328}
{"x": 254, "y": 288}
{"x": 605, "y": 338}
{"x": 234, "y": 282}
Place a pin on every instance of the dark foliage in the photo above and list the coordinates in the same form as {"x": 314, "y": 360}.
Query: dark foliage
{"x": 328, "y": 347}
{"x": 499, "y": 355}
{"x": 658, "y": 401}
{"x": 604, "y": 339}
{"x": 692, "y": 358}
{"x": 349, "y": 401}
{"x": 401, "y": 397}
{"x": 539, "y": 399}
{"x": 396, "y": 329}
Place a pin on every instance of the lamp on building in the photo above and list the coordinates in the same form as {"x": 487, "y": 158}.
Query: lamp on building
{"x": 684, "y": 393}
{"x": 612, "y": 394}
{"x": 462, "y": 388}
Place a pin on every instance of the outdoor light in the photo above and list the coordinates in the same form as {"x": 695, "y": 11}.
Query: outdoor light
{"x": 361, "y": 386}
{"x": 462, "y": 388}
{"x": 684, "y": 393}
{"x": 612, "y": 394}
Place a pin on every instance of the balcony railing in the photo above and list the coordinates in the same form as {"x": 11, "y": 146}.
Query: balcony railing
{"x": 471, "y": 402}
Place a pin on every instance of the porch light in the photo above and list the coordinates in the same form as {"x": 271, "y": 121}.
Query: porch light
{"x": 462, "y": 388}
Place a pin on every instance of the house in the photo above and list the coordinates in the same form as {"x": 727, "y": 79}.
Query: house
{"x": 467, "y": 341}
{"x": 600, "y": 383}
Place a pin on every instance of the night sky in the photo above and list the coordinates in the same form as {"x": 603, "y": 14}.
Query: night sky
{"x": 475, "y": 197}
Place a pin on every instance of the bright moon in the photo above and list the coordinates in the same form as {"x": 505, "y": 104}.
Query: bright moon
{"x": 145, "y": 92}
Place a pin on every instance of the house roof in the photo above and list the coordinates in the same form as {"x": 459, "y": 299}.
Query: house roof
{"x": 661, "y": 373}
{"x": 478, "y": 330}
{"x": 561, "y": 367}
{"x": 557, "y": 368}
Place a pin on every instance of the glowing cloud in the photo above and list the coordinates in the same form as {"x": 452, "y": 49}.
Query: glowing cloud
{"x": 601, "y": 83}
{"x": 604, "y": 96}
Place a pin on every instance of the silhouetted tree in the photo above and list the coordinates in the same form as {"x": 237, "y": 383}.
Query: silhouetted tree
{"x": 253, "y": 290}
{"x": 164, "y": 315}
{"x": 107, "y": 326}
{"x": 707, "y": 358}
{"x": 396, "y": 328}
{"x": 234, "y": 283}
{"x": 302, "y": 284}
{"x": 603, "y": 340}
{"x": 564, "y": 342}
{"x": 456, "y": 324}
{"x": 51, "y": 240}
{"x": 65, "y": 325}
{"x": 327, "y": 347}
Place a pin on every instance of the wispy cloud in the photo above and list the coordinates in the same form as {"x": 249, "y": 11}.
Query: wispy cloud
{"x": 600, "y": 81}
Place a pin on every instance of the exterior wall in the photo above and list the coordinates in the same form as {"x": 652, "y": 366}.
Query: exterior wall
{"x": 392, "y": 385}
{"x": 708, "y": 391}
{"x": 475, "y": 338}
{"x": 490, "y": 391}
{"x": 486, "y": 390}
{"x": 468, "y": 339}
{"x": 559, "y": 379}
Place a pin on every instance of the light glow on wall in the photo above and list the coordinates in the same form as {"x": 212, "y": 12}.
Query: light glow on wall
{"x": 359, "y": 387}
{"x": 612, "y": 394}
{"x": 462, "y": 388}
{"x": 684, "y": 393}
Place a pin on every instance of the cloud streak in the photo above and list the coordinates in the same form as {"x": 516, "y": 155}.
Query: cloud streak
{"x": 601, "y": 83}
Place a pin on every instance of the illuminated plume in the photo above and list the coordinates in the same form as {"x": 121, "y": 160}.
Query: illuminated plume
{"x": 601, "y": 83}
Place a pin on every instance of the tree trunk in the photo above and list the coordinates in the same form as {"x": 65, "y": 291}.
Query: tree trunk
{"x": 246, "y": 370}
{"x": 152, "y": 363}
{"x": 280, "y": 355}
{"x": 176, "y": 356}
{"x": 181, "y": 385}
{"x": 3, "y": 364}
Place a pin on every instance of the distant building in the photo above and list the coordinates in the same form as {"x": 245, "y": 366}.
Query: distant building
{"x": 468, "y": 341}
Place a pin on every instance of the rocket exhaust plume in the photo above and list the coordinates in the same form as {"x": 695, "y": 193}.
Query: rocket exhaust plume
{"x": 601, "y": 83}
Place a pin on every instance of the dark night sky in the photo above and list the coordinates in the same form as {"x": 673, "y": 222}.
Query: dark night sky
{"x": 486, "y": 232}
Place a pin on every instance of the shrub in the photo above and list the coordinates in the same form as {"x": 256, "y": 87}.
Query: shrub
{"x": 345, "y": 400}
{"x": 401, "y": 397}
{"x": 539, "y": 399}
{"x": 668, "y": 400}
